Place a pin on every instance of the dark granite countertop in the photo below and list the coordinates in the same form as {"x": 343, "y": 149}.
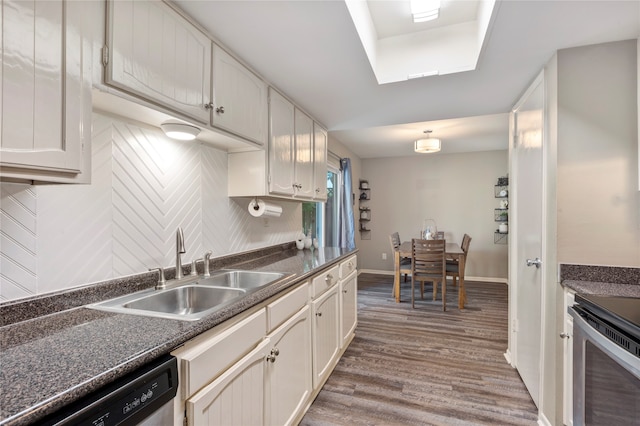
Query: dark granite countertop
{"x": 601, "y": 280}
{"x": 49, "y": 361}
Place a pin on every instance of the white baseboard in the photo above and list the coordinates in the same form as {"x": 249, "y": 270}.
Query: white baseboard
{"x": 507, "y": 356}
{"x": 542, "y": 419}
{"x": 469, "y": 278}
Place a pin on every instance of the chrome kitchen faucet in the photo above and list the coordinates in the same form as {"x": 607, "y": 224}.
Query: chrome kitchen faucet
{"x": 179, "y": 250}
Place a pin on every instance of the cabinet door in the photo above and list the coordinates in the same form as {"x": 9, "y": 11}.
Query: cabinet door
{"x": 158, "y": 55}
{"x": 239, "y": 98}
{"x": 39, "y": 78}
{"x": 234, "y": 398}
{"x": 304, "y": 155}
{"x": 567, "y": 345}
{"x": 319, "y": 162}
{"x": 289, "y": 375}
{"x": 325, "y": 331}
{"x": 348, "y": 307}
{"x": 281, "y": 144}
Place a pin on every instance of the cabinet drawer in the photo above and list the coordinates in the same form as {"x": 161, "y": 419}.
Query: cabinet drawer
{"x": 324, "y": 281}
{"x": 287, "y": 305}
{"x": 204, "y": 361}
{"x": 348, "y": 266}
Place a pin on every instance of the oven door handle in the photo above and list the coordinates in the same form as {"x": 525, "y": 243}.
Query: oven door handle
{"x": 619, "y": 355}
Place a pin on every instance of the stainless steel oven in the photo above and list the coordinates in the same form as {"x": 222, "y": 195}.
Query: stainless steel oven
{"x": 606, "y": 360}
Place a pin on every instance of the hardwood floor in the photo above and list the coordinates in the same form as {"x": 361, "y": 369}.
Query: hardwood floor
{"x": 424, "y": 366}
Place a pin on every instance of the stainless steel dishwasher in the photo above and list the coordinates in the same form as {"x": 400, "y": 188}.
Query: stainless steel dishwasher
{"x": 143, "y": 397}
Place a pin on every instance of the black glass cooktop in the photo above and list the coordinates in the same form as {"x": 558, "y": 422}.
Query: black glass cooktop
{"x": 624, "y": 312}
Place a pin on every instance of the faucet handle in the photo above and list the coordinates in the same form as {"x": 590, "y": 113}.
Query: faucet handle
{"x": 162, "y": 283}
{"x": 207, "y": 256}
{"x": 193, "y": 267}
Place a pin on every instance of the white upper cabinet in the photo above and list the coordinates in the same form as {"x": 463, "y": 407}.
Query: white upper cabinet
{"x": 319, "y": 162}
{"x": 158, "y": 55}
{"x": 239, "y": 98}
{"x": 303, "y": 165}
{"x": 281, "y": 145}
{"x": 45, "y": 91}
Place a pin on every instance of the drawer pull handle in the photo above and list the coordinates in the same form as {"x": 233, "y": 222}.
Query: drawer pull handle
{"x": 565, "y": 335}
{"x": 328, "y": 278}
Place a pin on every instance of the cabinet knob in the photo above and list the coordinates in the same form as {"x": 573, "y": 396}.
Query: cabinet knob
{"x": 275, "y": 351}
{"x": 220, "y": 110}
{"x": 565, "y": 335}
{"x": 271, "y": 358}
{"x": 344, "y": 291}
{"x": 318, "y": 314}
{"x": 208, "y": 106}
{"x": 317, "y": 190}
{"x": 328, "y": 278}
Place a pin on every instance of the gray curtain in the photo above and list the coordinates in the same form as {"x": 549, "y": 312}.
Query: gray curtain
{"x": 347, "y": 238}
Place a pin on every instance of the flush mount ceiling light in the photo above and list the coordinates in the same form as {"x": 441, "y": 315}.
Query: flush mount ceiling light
{"x": 180, "y": 131}
{"x": 428, "y": 145}
{"x": 425, "y": 10}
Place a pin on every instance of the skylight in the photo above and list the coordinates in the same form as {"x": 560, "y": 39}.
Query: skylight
{"x": 404, "y": 40}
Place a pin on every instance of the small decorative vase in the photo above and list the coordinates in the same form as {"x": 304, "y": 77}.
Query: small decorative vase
{"x": 300, "y": 244}
{"x": 307, "y": 242}
{"x": 315, "y": 243}
{"x": 503, "y": 228}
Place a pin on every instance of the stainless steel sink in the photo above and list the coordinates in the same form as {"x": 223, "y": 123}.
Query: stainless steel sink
{"x": 248, "y": 280}
{"x": 187, "y": 300}
{"x": 194, "y": 298}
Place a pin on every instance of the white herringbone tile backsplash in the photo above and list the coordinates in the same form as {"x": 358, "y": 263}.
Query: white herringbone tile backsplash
{"x": 144, "y": 186}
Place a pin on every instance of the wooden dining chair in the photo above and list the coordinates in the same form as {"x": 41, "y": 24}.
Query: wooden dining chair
{"x": 428, "y": 264}
{"x": 405, "y": 262}
{"x": 453, "y": 266}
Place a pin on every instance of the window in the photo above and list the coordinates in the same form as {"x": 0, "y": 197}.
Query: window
{"x": 321, "y": 219}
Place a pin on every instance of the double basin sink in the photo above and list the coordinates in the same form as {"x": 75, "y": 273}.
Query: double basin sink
{"x": 191, "y": 299}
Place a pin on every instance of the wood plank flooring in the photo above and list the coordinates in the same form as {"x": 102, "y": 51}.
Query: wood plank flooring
{"x": 424, "y": 366}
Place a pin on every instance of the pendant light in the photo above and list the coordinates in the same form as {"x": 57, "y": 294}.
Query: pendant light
{"x": 428, "y": 145}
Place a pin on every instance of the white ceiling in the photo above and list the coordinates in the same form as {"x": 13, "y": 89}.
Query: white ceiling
{"x": 311, "y": 51}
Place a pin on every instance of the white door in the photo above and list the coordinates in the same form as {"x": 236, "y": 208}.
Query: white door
{"x": 158, "y": 55}
{"x": 527, "y": 121}
{"x": 326, "y": 334}
{"x": 239, "y": 98}
{"x": 281, "y": 142}
{"x": 234, "y": 398}
{"x": 289, "y": 370}
{"x": 32, "y": 89}
{"x": 349, "y": 307}
{"x": 304, "y": 155}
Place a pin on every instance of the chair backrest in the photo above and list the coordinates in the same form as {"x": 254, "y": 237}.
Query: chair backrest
{"x": 466, "y": 240}
{"x": 428, "y": 257}
{"x": 394, "y": 239}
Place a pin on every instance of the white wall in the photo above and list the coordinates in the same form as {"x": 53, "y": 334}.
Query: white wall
{"x": 144, "y": 186}
{"x": 456, "y": 190}
{"x": 598, "y": 198}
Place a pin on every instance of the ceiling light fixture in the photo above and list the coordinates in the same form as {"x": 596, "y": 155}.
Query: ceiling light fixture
{"x": 180, "y": 131}
{"x": 428, "y": 145}
{"x": 425, "y": 10}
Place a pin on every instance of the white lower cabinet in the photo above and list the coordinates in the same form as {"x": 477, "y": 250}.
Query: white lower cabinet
{"x": 236, "y": 397}
{"x": 266, "y": 366}
{"x": 326, "y": 338}
{"x": 348, "y": 308}
{"x": 288, "y": 375}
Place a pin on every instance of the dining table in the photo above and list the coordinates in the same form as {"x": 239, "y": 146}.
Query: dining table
{"x": 452, "y": 251}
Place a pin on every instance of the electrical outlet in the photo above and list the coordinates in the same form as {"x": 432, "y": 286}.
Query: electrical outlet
{"x": 384, "y": 256}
